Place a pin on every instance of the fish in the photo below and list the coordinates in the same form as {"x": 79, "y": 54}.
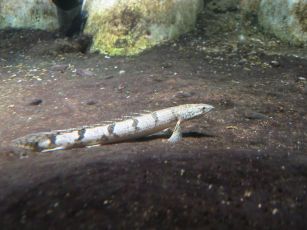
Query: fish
{"x": 128, "y": 129}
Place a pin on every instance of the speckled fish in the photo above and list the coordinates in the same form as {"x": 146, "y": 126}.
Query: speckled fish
{"x": 128, "y": 129}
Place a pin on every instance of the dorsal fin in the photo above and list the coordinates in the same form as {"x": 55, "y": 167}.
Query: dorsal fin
{"x": 83, "y": 127}
{"x": 145, "y": 111}
{"x": 125, "y": 117}
{"x": 132, "y": 115}
{"x": 141, "y": 113}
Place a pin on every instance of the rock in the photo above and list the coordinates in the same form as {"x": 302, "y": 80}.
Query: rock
{"x": 91, "y": 102}
{"x": 166, "y": 65}
{"x": 28, "y": 14}
{"x": 64, "y": 45}
{"x": 255, "y": 116}
{"x": 84, "y": 73}
{"x": 222, "y": 6}
{"x": 121, "y": 72}
{"x": 182, "y": 94}
{"x": 275, "y": 63}
{"x": 109, "y": 77}
{"x": 286, "y": 19}
{"x": 36, "y": 101}
{"x": 249, "y": 6}
{"x": 242, "y": 61}
{"x": 42, "y": 14}
{"x": 59, "y": 67}
{"x": 131, "y": 26}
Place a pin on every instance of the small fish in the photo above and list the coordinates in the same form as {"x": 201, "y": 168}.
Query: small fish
{"x": 117, "y": 131}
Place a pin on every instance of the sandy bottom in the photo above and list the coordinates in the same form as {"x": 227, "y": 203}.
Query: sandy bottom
{"x": 244, "y": 165}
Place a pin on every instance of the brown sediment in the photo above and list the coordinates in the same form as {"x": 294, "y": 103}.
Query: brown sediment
{"x": 229, "y": 171}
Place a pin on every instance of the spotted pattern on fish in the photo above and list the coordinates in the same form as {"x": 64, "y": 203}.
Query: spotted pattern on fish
{"x": 104, "y": 139}
{"x": 155, "y": 117}
{"x": 111, "y": 128}
{"x": 53, "y": 138}
{"x": 141, "y": 126}
{"x": 135, "y": 123}
{"x": 81, "y": 133}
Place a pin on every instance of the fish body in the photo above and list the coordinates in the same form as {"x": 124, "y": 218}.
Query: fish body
{"x": 128, "y": 129}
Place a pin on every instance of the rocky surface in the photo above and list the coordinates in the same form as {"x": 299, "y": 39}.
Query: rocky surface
{"x": 284, "y": 19}
{"x": 130, "y": 27}
{"x": 32, "y": 14}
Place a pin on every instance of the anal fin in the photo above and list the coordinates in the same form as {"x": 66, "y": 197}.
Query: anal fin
{"x": 54, "y": 149}
{"x": 165, "y": 132}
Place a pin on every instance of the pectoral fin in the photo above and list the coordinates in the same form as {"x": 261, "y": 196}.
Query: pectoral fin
{"x": 177, "y": 135}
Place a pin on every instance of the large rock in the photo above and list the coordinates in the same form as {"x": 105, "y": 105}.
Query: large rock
{"x": 128, "y": 27}
{"x": 286, "y": 19}
{"x": 34, "y": 14}
{"x": 249, "y": 6}
{"x": 222, "y": 6}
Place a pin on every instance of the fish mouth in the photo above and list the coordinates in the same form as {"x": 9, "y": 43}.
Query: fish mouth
{"x": 207, "y": 108}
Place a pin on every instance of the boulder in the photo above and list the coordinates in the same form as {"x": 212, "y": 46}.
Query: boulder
{"x": 222, "y": 6}
{"x": 286, "y": 19}
{"x": 34, "y": 14}
{"x": 128, "y": 27}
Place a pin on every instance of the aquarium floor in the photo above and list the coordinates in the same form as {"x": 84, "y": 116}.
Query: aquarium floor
{"x": 242, "y": 166}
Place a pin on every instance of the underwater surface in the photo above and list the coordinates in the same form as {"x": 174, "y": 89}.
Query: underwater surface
{"x": 243, "y": 165}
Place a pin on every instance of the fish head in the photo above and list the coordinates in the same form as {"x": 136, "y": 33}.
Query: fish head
{"x": 205, "y": 108}
{"x": 190, "y": 111}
